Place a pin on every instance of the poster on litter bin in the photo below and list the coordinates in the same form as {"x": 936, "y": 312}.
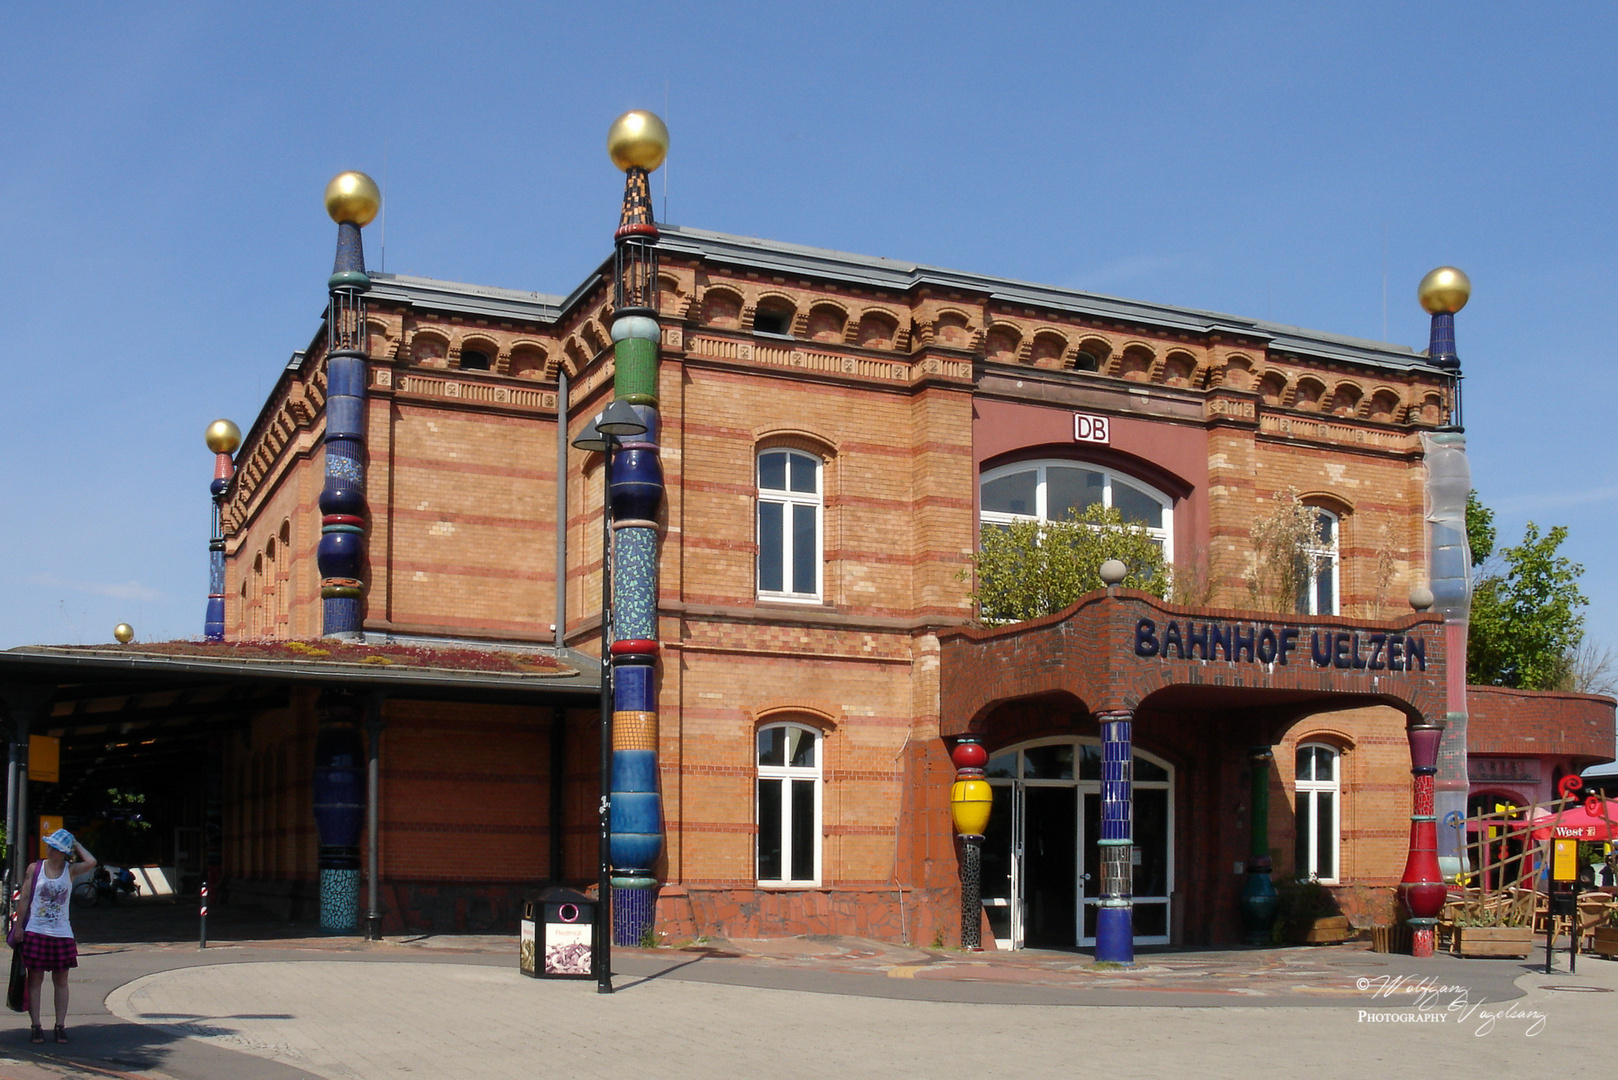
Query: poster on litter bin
{"x": 567, "y": 948}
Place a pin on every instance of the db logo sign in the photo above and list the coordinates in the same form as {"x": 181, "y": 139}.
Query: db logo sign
{"x": 1092, "y": 429}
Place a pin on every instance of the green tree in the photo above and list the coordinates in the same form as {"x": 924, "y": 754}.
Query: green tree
{"x": 1480, "y": 532}
{"x": 1030, "y": 568}
{"x": 1527, "y": 618}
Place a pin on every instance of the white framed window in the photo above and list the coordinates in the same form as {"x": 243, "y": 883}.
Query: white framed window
{"x": 788, "y": 805}
{"x": 790, "y": 519}
{"x": 1320, "y": 595}
{"x": 1318, "y": 790}
{"x": 1058, "y": 490}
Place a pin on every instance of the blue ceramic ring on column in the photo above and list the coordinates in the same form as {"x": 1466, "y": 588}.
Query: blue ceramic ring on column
{"x": 340, "y": 554}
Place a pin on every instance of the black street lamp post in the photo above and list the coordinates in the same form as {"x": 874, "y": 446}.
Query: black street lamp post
{"x": 617, "y": 421}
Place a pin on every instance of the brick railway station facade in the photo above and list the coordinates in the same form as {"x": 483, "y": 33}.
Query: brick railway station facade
{"x": 834, "y": 429}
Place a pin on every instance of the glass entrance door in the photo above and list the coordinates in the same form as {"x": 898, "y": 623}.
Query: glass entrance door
{"x": 1041, "y": 862}
{"x": 1050, "y": 866}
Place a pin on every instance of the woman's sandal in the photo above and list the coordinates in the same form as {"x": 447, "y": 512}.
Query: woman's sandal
{"x": 37, "y": 1035}
{"x": 61, "y": 1034}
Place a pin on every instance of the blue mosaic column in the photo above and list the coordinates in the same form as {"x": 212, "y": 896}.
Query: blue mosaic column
{"x": 352, "y": 200}
{"x": 637, "y": 143}
{"x": 223, "y": 438}
{"x": 1115, "y": 917}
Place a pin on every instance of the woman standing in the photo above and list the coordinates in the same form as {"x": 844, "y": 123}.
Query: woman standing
{"x": 47, "y": 938}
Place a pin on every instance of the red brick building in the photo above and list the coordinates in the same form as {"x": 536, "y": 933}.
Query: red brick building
{"x": 835, "y": 429}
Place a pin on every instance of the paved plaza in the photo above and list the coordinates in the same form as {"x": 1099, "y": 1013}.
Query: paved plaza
{"x": 829, "y": 1007}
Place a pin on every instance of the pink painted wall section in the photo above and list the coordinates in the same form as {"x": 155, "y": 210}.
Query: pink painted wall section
{"x": 1171, "y": 457}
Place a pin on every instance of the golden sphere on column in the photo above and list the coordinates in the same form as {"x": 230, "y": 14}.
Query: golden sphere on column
{"x": 638, "y": 139}
{"x": 223, "y": 437}
{"x": 124, "y": 633}
{"x": 353, "y": 196}
{"x": 1444, "y": 289}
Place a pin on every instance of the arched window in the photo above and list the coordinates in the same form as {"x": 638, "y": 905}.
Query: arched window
{"x": 790, "y": 508}
{"x": 1318, "y": 789}
{"x": 1320, "y": 594}
{"x": 1058, "y": 490}
{"x": 788, "y": 806}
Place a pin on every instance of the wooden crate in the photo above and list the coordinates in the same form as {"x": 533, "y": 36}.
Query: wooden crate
{"x": 1494, "y": 941}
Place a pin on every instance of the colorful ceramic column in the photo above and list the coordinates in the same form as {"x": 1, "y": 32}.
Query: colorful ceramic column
{"x": 970, "y": 801}
{"x": 352, "y": 200}
{"x": 1422, "y": 889}
{"x": 1115, "y": 916}
{"x": 338, "y": 790}
{"x": 223, "y": 437}
{"x": 1443, "y": 292}
{"x": 637, "y": 143}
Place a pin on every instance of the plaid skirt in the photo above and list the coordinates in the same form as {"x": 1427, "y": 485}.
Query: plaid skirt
{"x": 41, "y": 952}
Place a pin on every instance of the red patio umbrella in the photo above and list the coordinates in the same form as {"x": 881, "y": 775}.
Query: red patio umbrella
{"x": 1593, "y": 820}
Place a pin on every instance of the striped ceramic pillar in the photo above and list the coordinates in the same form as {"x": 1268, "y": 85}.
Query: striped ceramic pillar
{"x": 223, "y": 438}
{"x": 1115, "y": 917}
{"x": 637, "y": 142}
{"x": 352, "y": 200}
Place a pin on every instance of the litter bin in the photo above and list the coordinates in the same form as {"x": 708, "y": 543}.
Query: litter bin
{"x": 558, "y": 925}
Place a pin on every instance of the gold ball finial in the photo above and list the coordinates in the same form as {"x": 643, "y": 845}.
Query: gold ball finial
{"x": 353, "y": 196}
{"x": 638, "y": 139}
{"x": 223, "y": 437}
{"x": 124, "y": 633}
{"x": 1444, "y": 289}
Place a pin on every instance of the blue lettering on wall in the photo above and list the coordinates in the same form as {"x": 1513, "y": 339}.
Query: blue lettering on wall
{"x": 1146, "y": 638}
{"x": 1196, "y": 637}
{"x": 1265, "y": 644}
{"x": 1171, "y": 640}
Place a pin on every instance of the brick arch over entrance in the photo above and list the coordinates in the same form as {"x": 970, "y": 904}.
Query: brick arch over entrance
{"x": 1201, "y": 689}
{"x": 1131, "y": 651}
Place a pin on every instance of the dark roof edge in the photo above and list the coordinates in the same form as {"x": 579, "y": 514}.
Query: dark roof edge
{"x": 77, "y": 663}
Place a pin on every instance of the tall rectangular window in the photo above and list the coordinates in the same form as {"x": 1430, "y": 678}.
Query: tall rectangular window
{"x": 1319, "y": 793}
{"x": 789, "y": 525}
{"x": 788, "y": 792}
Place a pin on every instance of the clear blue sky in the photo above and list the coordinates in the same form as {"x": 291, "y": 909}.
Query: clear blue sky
{"x": 163, "y": 248}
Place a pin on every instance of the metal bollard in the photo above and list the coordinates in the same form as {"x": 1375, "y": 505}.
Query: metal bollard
{"x": 204, "y": 916}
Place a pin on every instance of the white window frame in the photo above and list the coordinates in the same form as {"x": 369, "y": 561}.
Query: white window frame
{"x": 1323, "y": 559}
{"x": 788, "y": 500}
{"x": 784, "y": 775}
{"x": 1164, "y": 535}
{"x": 1318, "y": 792}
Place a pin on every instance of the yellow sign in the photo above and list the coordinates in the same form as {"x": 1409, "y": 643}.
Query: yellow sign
{"x": 1565, "y": 860}
{"x": 48, "y": 823}
{"x": 45, "y": 759}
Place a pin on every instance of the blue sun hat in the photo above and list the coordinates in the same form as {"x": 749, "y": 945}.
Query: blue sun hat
{"x": 61, "y": 840}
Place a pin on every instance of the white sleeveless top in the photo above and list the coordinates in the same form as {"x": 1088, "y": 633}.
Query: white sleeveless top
{"x": 48, "y": 916}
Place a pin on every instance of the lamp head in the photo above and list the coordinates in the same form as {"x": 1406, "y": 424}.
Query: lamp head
{"x": 619, "y": 420}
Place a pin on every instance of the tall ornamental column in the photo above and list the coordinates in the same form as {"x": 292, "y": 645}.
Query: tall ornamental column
{"x": 223, "y": 438}
{"x": 970, "y": 801}
{"x": 1443, "y": 292}
{"x": 352, "y": 200}
{"x": 1115, "y": 917}
{"x": 338, "y": 788}
{"x": 1422, "y": 889}
{"x": 637, "y": 143}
